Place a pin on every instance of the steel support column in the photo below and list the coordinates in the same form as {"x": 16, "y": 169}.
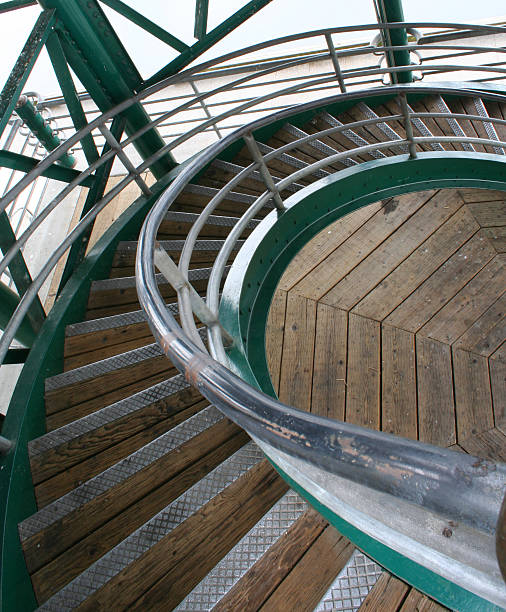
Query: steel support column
{"x": 8, "y": 304}
{"x": 390, "y": 11}
{"x": 104, "y": 67}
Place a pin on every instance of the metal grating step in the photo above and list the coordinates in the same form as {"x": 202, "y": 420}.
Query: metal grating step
{"x": 128, "y": 551}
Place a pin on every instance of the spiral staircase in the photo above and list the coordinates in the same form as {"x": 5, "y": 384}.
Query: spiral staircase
{"x": 345, "y": 256}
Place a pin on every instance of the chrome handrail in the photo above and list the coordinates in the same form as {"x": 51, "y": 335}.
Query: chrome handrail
{"x": 326, "y": 444}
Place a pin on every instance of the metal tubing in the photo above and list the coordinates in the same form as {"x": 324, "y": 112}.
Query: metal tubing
{"x": 171, "y": 272}
{"x": 114, "y": 144}
{"x": 41, "y": 129}
{"x": 335, "y": 62}
{"x": 391, "y": 11}
{"x": 252, "y": 145}
{"x": 204, "y": 106}
{"x": 408, "y": 125}
{"x": 5, "y": 445}
{"x": 200, "y": 29}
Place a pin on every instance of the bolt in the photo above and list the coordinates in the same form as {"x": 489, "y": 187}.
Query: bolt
{"x": 447, "y": 532}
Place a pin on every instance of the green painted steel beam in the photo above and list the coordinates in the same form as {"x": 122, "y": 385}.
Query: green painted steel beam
{"x": 9, "y": 301}
{"x": 208, "y": 41}
{"x": 390, "y": 11}
{"x": 23, "y": 163}
{"x": 72, "y": 100}
{"x": 99, "y": 60}
{"x": 201, "y": 9}
{"x": 19, "y": 271}
{"x": 41, "y": 129}
{"x": 12, "y": 5}
{"x": 78, "y": 249}
{"x": 23, "y": 66}
{"x": 146, "y": 24}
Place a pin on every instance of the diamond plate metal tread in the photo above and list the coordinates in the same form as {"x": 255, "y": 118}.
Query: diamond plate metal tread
{"x": 452, "y": 123}
{"x": 235, "y": 169}
{"x": 350, "y": 134}
{"x": 128, "y": 282}
{"x": 119, "y": 472}
{"x": 114, "y": 321}
{"x": 489, "y": 127}
{"x": 218, "y": 220}
{"x": 128, "y": 551}
{"x": 107, "y": 415}
{"x": 390, "y": 133}
{"x": 295, "y": 162}
{"x": 235, "y": 196}
{"x": 245, "y": 554}
{"x": 351, "y": 586}
{"x": 105, "y": 366}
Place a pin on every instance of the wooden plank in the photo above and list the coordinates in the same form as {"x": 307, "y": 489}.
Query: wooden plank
{"x": 363, "y": 379}
{"x": 442, "y": 285}
{"x": 322, "y": 245}
{"x": 82, "y": 359}
{"x": 436, "y": 405}
{"x": 62, "y": 534}
{"x": 62, "y": 483}
{"x": 480, "y": 195}
{"x": 397, "y": 247}
{"x": 53, "y": 576}
{"x": 398, "y": 381}
{"x": 473, "y": 399}
{"x": 497, "y": 366}
{"x": 298, "y": 348}
{"x": 386, "y": 595}
{"x": 310, "y": 579}
{"x": 58, "y": 419}
{"x": 80, "y": 392}
{"x": 274, "y": 332}
{"x": 251, "y": 591}
{"x": 489, "y": 214}
{"x": 489, "y": 444}
{"x": 356, "y": 248}
{"x": 329, "y": 367}
{"x": 488, "y": 332}
{"x": 65, "y": 455}
{"x": 418, "y": 602}
{"x": 460, "y": 313}
{"x": 173, "y": 565}
{"x": 497, "y": 237}
{"x": 414, "y": 270}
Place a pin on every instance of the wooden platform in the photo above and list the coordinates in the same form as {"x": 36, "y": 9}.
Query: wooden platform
{"x": 393, "y": 318}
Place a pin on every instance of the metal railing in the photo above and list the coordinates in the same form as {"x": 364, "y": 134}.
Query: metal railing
{"x": 280, "y": 427}
{"x": 277, "y": 427}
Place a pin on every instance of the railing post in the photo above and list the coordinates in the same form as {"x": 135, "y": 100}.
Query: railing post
{"x": 252, "y": 145}
{"x": 204, "y": 106}
{"x": 408, "y": 126}
{"x": 114, "y": 144}
{"x": 172, "y": 273}
{"x": 335, "y": 62}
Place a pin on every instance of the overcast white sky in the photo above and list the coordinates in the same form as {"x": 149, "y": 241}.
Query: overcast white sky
{"x": 278, "y": 18}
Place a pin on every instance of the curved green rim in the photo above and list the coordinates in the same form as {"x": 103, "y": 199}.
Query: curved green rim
{"x": 260, "y": 264}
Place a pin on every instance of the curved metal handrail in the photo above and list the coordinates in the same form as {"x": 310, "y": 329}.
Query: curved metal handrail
{"x": 429, "y": 477}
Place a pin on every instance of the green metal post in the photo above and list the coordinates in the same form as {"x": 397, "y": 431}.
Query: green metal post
{"x": 40, "y": 128}
{"x": 78, "y": 249}
{"x": 23, "y": 163}
{"x": 105, "y": 69}
{"x": 201, "y": 7}
{"x": 390, "y": 11}
{"x": 76, "y": 111}
{"x": 8, "y": 304}
{"x": 12, "y": 5}
{"x": 208, "y": 41}
{"x": 19, "y": 271}
{"x": 23, "y": 66}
